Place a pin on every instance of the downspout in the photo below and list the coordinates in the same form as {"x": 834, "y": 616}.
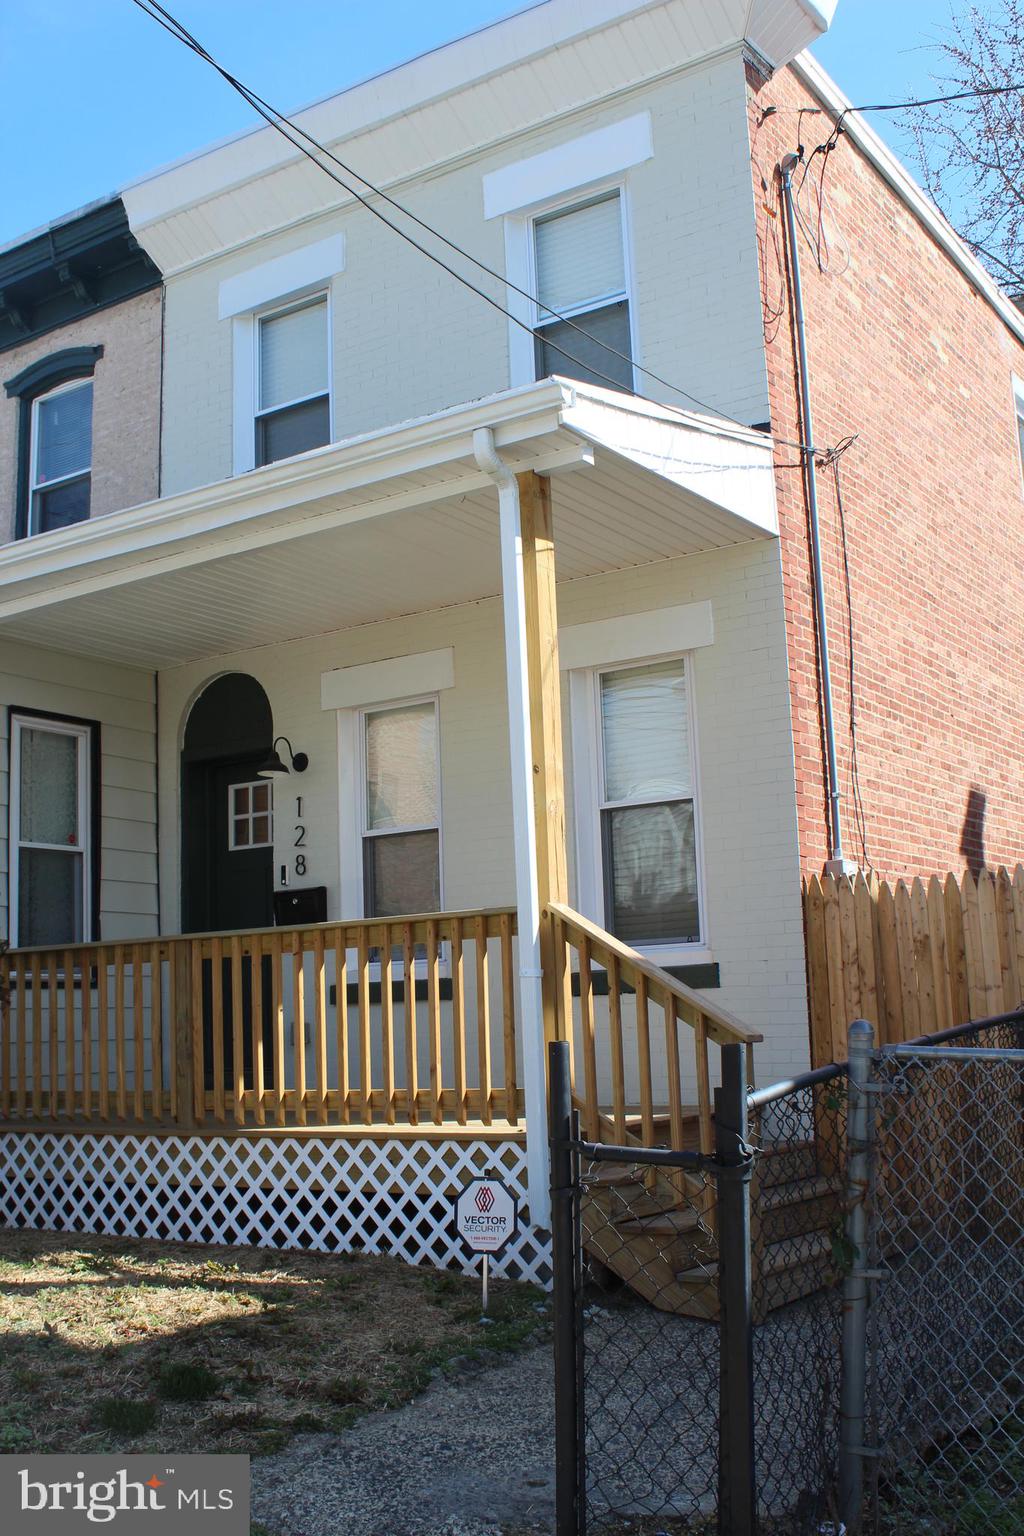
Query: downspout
{"x": 531, "y": 1008}
{"x": 837, "y": 864}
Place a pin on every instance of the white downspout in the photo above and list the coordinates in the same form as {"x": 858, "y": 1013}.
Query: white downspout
{"x": 531, "y": 1009}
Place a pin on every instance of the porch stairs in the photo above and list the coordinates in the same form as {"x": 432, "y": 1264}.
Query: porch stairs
{"x": 656, "y": 1232}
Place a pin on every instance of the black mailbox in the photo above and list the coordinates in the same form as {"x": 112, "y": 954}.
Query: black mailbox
{"x": 304, "y": 906}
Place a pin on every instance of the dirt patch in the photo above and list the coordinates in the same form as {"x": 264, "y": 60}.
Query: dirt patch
{"x": 116, "y": 1345}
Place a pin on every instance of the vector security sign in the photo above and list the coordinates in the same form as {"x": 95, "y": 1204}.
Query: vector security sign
{"x": 486, "y": 1215}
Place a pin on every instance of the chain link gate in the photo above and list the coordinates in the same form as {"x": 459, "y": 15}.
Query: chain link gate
{"x": 933, "y": 1425}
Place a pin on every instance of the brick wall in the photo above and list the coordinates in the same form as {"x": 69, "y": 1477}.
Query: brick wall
{"x": 906, "y": 354}
{"x": 126, "y": 405}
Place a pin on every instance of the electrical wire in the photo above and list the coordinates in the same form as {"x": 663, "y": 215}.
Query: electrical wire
{"x": 831, "y": 460}
{"x": 281, "y": 123}
{"x": 904, "y": 106}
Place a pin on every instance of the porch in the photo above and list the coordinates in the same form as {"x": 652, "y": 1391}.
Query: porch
{"x": 256, "y": 1068}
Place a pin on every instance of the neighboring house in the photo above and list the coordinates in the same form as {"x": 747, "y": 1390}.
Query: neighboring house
{"x": 370, "y": 479}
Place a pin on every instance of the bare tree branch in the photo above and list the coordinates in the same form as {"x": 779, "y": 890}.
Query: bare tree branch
{"x": 971, "y": 152}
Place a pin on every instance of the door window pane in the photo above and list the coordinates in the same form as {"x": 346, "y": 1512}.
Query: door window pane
{"x": 646, "y": 733}
{"x": 49, "y": 786}
{"x": 63, "y": 434}
{"x": 293, "y": 355}
{"x": 401, "y": 767}
{"x": 403, "y": 874}
{"x": 651, "y": 873}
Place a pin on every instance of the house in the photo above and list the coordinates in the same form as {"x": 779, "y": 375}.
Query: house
{"x": 456, "y": 687}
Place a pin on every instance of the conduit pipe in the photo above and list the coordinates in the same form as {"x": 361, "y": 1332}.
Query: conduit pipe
{"x": 531, "y": 1007}
{"x": 837, "y": 864}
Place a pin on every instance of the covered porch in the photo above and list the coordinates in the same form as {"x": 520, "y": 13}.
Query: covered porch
{"x": 344, "y": 570}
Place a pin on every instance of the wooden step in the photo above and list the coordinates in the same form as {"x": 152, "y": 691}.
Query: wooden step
{"x": 792, "y": 1209}
{"x": 786, "y": 1164}
{"x": 659, "y": 1223}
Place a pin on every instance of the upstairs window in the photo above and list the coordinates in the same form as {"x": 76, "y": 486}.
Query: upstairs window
{"x": 60, "y": 457}
{"x": 293, "y": 402}
{"x": 402, "y": 810}
{"x": 580, "y": 263}
{"x": 646, "y": 804}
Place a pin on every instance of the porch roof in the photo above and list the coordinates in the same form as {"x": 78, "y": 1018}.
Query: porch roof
{"x": 394, "y": 522}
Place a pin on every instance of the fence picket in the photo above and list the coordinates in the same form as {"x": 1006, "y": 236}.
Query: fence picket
{"x": 922, "y": 959}
{"x": 890, "y": 1024}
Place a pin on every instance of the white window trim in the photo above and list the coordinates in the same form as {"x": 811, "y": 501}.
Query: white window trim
{"x": 585, "y": 718}
{"x": 83, "y": 734}
{"x": 245, "y": 336}
{"x": 352, "y": 800}
{"x": 377, "y": 682}
{"x": 568, "y": 167}
{"x": 249, "y": 816}
{"x": 521, "y": 269}
{"x": 35, "y": 485}
{"x": 1018, "y": 419}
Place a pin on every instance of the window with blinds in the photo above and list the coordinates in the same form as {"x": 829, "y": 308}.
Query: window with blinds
{"x": 648, "y": 837}
{"x": 402, "y": 801}
{"x": 580, "y": 264}
{"x": 293, "y": 403}
{"x": 51, "y": 831}
{"x": 60, "y": 456}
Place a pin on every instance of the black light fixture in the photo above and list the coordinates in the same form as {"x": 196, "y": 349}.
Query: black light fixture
{"x": 274, "y": 765}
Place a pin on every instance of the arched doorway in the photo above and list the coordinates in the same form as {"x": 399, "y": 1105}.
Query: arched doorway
{"x": 227, "y": 849}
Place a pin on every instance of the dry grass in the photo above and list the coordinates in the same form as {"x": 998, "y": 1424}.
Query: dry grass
{"x": 222, "y": 1349}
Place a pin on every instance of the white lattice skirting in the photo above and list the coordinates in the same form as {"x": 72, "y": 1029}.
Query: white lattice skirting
{"x": 333, "y": 1195}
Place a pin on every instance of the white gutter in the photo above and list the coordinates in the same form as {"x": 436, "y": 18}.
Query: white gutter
{"x": 908, "y": 191}
{"x": 531, "y": 1006}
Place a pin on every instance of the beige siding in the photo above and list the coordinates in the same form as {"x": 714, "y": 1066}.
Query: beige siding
{"x": 126, "y": 405}
{"x": 408, "y": 340}
{"x": 122, "y": 701}
{"x": 745, "y": 761}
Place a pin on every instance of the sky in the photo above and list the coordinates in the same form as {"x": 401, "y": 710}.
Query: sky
{"x": 95, "y": 94}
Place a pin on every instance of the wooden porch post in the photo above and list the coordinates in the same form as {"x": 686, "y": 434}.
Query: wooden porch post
{"x": 545, "y": 718}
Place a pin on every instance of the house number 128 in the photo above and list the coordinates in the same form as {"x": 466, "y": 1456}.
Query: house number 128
{"x": 300, "y": 838}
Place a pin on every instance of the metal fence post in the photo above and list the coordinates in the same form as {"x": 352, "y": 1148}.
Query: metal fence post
{"x": 737, "y": 1488}
{"x": 860, "y": 1129}
{"x": 569, "y": 1501}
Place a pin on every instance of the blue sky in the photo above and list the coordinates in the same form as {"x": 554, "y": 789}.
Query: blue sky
{"x": 95, "y": 94}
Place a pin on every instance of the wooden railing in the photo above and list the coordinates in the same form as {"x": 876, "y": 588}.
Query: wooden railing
{"x": 283, "y": 1027}
{"x": 626, "y": 1088}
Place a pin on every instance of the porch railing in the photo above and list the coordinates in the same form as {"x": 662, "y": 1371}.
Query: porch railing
{"x": 629, "y": 1062}
{"x": 404, "y": 1021}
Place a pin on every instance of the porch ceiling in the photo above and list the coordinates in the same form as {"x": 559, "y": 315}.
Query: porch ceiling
{"x": 391, "y": 524}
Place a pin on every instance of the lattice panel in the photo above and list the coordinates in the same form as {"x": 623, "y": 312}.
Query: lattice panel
{"x": 331, "y": 1195}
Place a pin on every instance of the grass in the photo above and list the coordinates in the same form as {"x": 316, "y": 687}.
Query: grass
{"x": 115, "y": 1345}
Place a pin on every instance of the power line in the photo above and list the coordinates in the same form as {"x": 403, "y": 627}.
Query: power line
{"x": 282, "y": 124}
{"x": 904, "y": 106}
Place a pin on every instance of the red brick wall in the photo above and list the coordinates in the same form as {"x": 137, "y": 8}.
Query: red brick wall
{"x": 907, "y": 355}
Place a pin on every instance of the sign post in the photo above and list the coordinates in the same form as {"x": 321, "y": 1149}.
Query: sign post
{"x": 486, "y": 1219}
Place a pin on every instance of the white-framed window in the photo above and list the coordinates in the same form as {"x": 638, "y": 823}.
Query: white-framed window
{"x": 400, "y": 809}
{"x": 60, "y": 457}
{"x": 580, "y": 270}
{"x": 50, "y": 831}
{"x": 293, "y": 397}
{"x": 250, "y": 815}
{"x": 637, "y": 813}
{"x": 1018, "y": 403}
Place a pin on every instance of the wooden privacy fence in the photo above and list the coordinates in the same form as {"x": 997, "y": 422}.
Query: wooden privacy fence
{"x": 285, "y": 1027}
{"x": 913, "y": 958}
{"x": 611, "y": 979}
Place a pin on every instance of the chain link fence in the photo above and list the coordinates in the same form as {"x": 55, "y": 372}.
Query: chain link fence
{"x": 819, "y": 1330}
{"x": 945, "y": 1321}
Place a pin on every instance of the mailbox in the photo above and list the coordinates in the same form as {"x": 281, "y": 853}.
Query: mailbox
{"x": 308, "y": 905}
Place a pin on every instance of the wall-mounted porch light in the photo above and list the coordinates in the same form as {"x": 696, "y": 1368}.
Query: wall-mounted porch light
{"x": 274, "y": 765}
